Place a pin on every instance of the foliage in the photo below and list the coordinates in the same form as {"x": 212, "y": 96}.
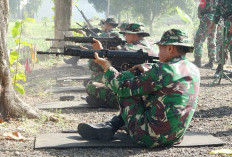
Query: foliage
{"x": 14, "y": 55}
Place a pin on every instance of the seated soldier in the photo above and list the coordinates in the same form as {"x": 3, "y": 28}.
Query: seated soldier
{"x": 157, "y": 106}
{"x": 98, "y": 94}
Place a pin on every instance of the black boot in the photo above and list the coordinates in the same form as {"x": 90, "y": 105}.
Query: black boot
{"x": 103, "y": 131}
{"x": 72, "y": 61}
{"x": 95, "y": 102}
{"x": 197, "y": 61}
{"x": 218, "y": 70}
{"x": 209, "y": 64}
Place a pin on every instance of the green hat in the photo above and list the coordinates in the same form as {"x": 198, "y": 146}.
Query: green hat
{"x": 124, "y": 25}
{"x": 110, "y": 21}
{"x": 175, "y": 37}
{"x": 135, "y": 28}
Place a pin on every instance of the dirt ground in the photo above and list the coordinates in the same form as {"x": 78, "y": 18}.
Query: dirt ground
{"x": 213, "y": 115}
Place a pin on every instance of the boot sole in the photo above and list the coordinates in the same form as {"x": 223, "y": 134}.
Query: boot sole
{"x": 89, "y": 132}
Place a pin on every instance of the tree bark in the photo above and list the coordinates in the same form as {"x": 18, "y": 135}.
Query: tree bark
{"x": 10, "y": 104}
{"x": 63, "y": 12}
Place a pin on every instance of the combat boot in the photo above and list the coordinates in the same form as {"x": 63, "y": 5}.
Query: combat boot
{"x": 72, "y": 61}
{"x": 95, "y": 102}
{"x": 209, "y": 64}
{"x": 218, "y": 70}
{"x": 197, "y": 61}
{"x": 103, "y": 131}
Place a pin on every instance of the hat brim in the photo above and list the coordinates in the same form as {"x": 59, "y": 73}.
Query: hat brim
{"x": 190, "y": 47}
{"x": 143, "y": 34}
{"x": 112, "y": 24}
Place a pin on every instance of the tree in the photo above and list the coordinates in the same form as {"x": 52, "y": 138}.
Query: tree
{"x": 10, "y": 104}
{"x": 32, "y": 7}
{"x": 63, "y": 12}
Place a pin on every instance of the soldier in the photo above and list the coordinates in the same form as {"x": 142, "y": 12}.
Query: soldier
{"x": 206, "y": 11}
{"x": 157, "y": 106}
{"x": 224, "y": 11}
{"x": 107, "y": 27}
{"x": 98, "y": 94}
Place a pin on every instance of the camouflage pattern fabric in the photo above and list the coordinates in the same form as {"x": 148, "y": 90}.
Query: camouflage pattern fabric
{"x": 145, "y": 45}
{"x": 224, "y": 11}
{"x": 157, "y": 106}
{"x": 97, "y": 73}
{"x": 104, "y": 93}
{"x": 206, "y": 12}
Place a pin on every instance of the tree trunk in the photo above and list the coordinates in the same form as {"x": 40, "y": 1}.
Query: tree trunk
{"x": 10, "y": 104}
{"x": 63, "y": 12}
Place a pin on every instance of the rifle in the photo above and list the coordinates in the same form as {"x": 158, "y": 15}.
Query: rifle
{"x": 106, "y": 42}
{"x": 120, "y": 59}
{"x": 87, "y": 31}
{"x": 83, "y": 15}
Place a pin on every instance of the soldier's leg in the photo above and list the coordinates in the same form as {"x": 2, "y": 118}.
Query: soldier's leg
{"x": 199, "y": 40}
{"x": 102, "y": 131}
{"x": 227, "y": 41}
{"x": 211, "y": 45}
{"x": 100, "y": 96}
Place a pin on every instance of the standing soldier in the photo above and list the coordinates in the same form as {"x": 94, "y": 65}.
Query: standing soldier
{"x": 206, "y": 11}
{"x": 98, "y": 94}
{"x": 224, "y": 11}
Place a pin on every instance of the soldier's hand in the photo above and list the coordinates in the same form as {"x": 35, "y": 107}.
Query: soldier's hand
{"x": 105, "y": 63}
{"x": 97, "y": 45}
{"x": 84, "y": 48}
{"x": 139, "y": 67}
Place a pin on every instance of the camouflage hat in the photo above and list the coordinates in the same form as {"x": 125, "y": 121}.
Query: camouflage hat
{"x": 135, "y": 28}
{"x": 175, "y": 37}
{"x": 110, "y": 21}
{"x": 123, "y": 25}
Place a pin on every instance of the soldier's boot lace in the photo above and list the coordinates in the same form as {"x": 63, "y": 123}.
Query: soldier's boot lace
{"x": 102, "y": 131}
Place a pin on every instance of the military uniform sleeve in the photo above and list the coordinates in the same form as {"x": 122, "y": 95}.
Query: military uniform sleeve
{"x": 126, "y": 84}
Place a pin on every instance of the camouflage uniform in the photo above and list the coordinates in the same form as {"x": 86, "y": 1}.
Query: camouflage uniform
{"x": 94, "y": 87}
{"x": 158, "y": 106}
{"x": 206, "y": 11}
{"x": 224, "y": 10}
{"x": 100, "y": 91}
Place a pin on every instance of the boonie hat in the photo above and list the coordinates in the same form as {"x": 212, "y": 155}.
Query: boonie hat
{"x": 175, "y": 37}
{"x": 135, "y": 28}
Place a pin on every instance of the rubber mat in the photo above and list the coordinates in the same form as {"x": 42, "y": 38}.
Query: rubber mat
{"x": 121, "y": 140}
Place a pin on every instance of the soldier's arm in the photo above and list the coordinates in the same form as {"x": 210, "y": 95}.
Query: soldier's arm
{"x": 126, "y": 84}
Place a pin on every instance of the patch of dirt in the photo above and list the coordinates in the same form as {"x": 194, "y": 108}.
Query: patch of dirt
{"x": 213, "y": 115}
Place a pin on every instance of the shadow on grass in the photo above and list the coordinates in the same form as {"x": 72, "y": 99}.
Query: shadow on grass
{"x": 214, "y": 112}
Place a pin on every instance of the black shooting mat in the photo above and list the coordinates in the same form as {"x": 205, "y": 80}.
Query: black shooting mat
{"x": 65, "y": 89}
{"x": 121, "y": 140}
{"x": 73, "y": 78}
{"x": 63, "y": 105}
